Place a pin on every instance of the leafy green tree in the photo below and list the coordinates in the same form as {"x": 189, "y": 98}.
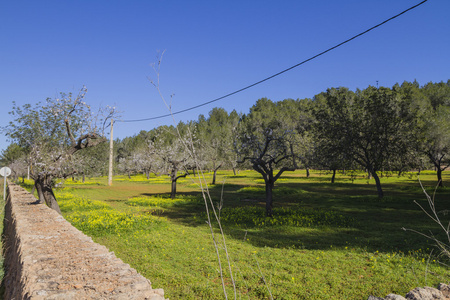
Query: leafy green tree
{"x": 216, "y": 138}
{"x": 437, "y": 140}
{"x": 436, "y": 127}
{"x": 298, "y": 113}
{"x": 437, "y": 93}
{"x": 11, "y": 153}
{"x": 265, "y": 139}
{"x": 371, "y": 126}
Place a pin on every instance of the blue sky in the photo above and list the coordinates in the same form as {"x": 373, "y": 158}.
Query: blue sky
{"x": 211, "y": 48}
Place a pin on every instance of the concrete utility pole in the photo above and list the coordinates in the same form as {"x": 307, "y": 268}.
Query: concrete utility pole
{"x": 110, "y": 173}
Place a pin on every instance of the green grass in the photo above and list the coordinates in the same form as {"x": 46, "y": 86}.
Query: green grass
{"x": 325, "y": 241}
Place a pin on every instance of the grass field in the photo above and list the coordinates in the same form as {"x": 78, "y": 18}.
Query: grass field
{"x": 325, "y": 241}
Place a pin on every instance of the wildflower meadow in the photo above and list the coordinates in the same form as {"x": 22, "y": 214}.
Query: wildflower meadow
{"x": 324, "y": 241}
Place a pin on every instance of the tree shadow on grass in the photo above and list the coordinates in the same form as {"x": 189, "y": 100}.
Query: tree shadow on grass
{"x": 377, "y": 223}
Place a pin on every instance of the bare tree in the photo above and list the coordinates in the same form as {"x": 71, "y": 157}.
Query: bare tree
{"x": 171, "y": 158}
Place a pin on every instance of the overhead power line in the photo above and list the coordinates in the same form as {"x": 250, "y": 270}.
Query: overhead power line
{"x": 281, "y": 72}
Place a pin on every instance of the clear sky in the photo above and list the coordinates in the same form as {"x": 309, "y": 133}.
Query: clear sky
{"x": 211, "y": 48}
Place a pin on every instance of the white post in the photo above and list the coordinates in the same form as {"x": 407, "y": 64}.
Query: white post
{"x": 110, "y": 173}
{"x": 5, "y": 172}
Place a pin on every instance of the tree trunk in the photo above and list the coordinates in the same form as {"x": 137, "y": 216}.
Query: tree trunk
{"x": 214, "y": 177}
{"x": 174, "y": 189}
{"x": 439, "y": 177}
{"x": 129, "y": 175}
{"x": 377, "y": 181}
{"x": 234, "y": 171}
{"x": 173, "y": 178}
{"x": 84, "y": 177}
{"x": 50, "y": 198}
{"x": 38, "y": 187}
{"x": 215, "y": 173}
{"x": 307, "y": 173}
{"x": 269, "y": 198}
{"x": 45, "y": 192}
{"x": 147, "y": 174}
{"x": 334, "y": 176}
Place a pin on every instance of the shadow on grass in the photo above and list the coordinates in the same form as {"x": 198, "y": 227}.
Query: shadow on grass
{"x": 377, "y": 223}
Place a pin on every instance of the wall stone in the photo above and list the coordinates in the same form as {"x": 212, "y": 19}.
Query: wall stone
{"x": 421, "y": 293}
{"x": 47, "y": 258}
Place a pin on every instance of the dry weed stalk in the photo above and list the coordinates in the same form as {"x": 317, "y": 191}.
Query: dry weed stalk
{"x": 201, "y": 182}
{"x": 433, "y": 214}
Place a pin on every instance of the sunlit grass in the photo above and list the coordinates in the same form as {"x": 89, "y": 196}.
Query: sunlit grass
{"x": 325, "y": 241}
{"x": 161, "y": 200}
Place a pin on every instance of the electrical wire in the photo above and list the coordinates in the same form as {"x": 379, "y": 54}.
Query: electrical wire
{"x": 279, "y": 73}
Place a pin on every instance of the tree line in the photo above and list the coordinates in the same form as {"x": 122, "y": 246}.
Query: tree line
{"x": 378, "y": 130}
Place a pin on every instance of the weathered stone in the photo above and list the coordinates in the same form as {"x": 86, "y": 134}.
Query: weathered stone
{"x": 394, "y": 297}
{"x": 374, "y": 298}
{"x": 47, "y": 258}
{"x": 445, "y": 289}
{"x": 426, "y": 293}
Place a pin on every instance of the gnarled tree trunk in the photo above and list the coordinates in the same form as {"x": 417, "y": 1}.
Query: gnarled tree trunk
{"x": 174, "y": 178}
{"x": 269, "y": 198}
{"x": 45, "y": 192}
{"x": 334, "y": 176}
{"x": 377, "y": 181}
{"x": 215, "y": 172}
{"x": 439, "y": 177}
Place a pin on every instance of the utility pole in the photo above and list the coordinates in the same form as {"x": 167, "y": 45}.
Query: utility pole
{"x": 110, "y": 173}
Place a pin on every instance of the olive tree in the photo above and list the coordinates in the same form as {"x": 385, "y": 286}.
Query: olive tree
{"x": 265, "y": 139}
{"x": 436, "y": 143}
{"x": 436, "y": 127}
{"x": 370, "y": 127}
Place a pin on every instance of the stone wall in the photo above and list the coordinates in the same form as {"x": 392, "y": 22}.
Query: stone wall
{"x": 47, "y": 258}
{"x": 425, "y": 293}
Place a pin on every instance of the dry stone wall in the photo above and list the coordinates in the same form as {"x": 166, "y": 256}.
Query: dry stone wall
{"x": 47, "y": 258}
{"x": 421, "y": 293}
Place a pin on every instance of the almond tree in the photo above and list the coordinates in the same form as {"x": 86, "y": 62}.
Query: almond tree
{"x": 52, "y": 132}
{"x": 170, "y": 154}
{"x": 127, "y": 165}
